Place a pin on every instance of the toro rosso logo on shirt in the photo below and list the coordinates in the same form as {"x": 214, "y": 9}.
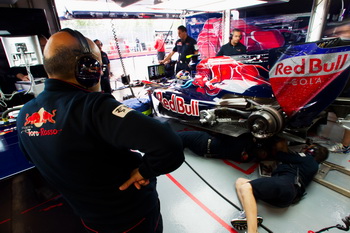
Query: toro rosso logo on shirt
{"x": 37, "y": 119}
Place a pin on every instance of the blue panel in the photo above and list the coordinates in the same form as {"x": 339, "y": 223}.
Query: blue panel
{"x": 194, "y": 24}
{"x": 12, "y": 160}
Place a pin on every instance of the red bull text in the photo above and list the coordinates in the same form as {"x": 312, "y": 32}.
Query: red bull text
{"x": 177, "y": 104}
{"x": 310, "y": 66}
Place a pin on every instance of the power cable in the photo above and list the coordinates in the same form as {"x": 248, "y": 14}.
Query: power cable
{"x": 346, "y": 220}
{"x": 222, "y": 196}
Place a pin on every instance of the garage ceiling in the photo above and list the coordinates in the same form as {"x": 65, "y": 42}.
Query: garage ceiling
{"x": 170, "y": 6}
{"x": 195, "y": 5}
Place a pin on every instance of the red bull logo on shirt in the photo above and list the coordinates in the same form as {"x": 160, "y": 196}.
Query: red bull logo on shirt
{"x": 40, "y": 117}
{"x": 37, "y": 119}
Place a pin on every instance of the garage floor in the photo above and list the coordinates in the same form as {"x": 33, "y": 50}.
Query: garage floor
{"x": 199, "y": 197}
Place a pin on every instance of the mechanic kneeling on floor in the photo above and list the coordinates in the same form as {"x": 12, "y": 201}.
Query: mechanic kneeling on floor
{"x": 81, "y": 139}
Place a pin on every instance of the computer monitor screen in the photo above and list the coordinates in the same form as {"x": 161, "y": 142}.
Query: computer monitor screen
{"x": 156, "y": 72}
{"x": 22, "y": 51}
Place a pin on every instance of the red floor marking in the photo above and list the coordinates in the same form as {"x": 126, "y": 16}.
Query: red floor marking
{"x": 25, "y": 211}
{"x": 198, "y": 202}
{"x": 5, "y": 221}
{"x": 51, "y": 207}
{"x": 247, "y": 172}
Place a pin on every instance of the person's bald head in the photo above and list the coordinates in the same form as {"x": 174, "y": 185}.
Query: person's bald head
{"x": 61, "y": 53}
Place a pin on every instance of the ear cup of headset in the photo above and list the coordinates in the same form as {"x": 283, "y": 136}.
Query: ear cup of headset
{"x": 230, "y": 38}
{"x": 88, "y": 70}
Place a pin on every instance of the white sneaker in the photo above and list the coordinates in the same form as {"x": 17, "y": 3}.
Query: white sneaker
{"x": 239, "y": 222}
{"x": 339, "y": 148}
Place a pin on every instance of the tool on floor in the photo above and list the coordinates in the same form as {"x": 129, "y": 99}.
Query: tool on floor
{"x": 325, "y": 167}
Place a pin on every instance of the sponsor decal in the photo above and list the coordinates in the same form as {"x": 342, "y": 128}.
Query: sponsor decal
{"x": 177, "y": 104}
{"x": 40, "y": 131}
{"x": 313, "y": 65}
{"x": 121, "y": 111}
{"x": 38, "y": 119}
{"x": 296, "y": 81}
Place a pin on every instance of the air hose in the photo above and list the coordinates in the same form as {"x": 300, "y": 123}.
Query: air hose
{"x": 346, "y": 221}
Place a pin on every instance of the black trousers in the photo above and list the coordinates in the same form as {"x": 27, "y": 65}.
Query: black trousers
{"x": 151, "y": 223}
{"x": 182, "y": 66}
{"x": 106, "y": 85}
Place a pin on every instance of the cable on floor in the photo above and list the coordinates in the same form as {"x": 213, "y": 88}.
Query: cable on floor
{"x": 346, "y": 220}
{"x": 222, "y": 196}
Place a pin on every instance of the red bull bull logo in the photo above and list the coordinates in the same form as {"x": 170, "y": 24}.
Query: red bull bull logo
{"x": 39, "y": 118}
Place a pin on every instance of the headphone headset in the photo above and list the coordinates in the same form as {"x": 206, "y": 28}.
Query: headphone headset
{"x": 231, "y": 35}
{"x": 87, "y": 68}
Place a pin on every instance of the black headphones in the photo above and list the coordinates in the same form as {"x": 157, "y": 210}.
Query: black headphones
{"x": 87, "y": 68}
{"x": 231, "y": 35}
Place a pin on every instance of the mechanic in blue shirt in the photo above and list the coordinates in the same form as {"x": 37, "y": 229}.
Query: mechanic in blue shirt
{"x": 80, "y": 140}
{"x": 185, "y": 46}
{"x": 234, "y": 47}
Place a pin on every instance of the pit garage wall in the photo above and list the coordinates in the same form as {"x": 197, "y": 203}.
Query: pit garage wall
{"x": 259, "y": 33}
{"x": 267, "y": 27}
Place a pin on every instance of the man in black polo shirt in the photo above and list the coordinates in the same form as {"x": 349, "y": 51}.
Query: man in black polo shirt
{"x": 105, "y": 78}
{"x": 234, "y": 47}
{"x": 83, "y": 142}
{"x": 186, "y": 45}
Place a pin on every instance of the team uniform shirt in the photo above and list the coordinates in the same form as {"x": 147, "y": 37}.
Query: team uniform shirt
{"x": 105, "y": 81}
{"x": 80, "y": 141}
{"x": 184, "y": 48}
{"x": 229, "y": 50}
{"x": 105, "y": 62}
{"x": 281, "y": 189}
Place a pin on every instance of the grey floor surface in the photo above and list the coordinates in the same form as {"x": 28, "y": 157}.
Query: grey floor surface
{"x": 190, "y": 205}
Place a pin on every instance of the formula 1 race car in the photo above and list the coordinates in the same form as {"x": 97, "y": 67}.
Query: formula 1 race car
{"x": 282, "y": 90}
